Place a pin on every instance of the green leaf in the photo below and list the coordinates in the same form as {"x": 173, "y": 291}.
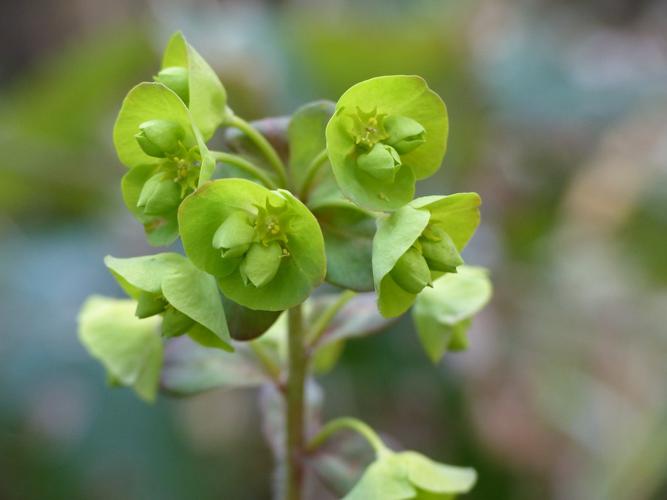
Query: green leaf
{"x": 190, "y": 368}
{"x": 410, "y": 475}
{"x": 457, "y": 214}
{"x": 385, "y": 478}
{"x": 325, "y": 358}
{"x": 145, "y": 273}
{"x": 386, "y": 96}
{"x": 348, "y": 235}
{"x": 396, "y": 233}
{"x": 207, "y": 97}
{"x": 148, "y": 101}
{"x": 129, "y": 348}
{"x": 189, "y": 290}
{"x": 247, "y": 324}
{"x": 306, "y": 139}
{"x": 161, "y": 230}
{"x": 442, "y": 314}
{"x": 303, "y": 266}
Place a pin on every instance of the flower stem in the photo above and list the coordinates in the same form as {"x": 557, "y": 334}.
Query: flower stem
{"x": 311, "y": 171}
{"x": 295, "y": 405}
{"x": 327, "y": 315}
{"x": 245, "y": 165}
{"x": 262, "y": 144}
{"x": 353, "y": 424}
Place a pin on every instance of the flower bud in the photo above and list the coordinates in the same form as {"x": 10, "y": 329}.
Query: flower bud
{"x": 442, "y": 254}
{"x": 261, "y": 263}
{"x": 234, "y": 235}
{"x": 175, "y": 323}
{"x": 159, "y": 138}
{"x": 405, "y": 134}
{"x": 149, "y": 304}
{"x": 176, "y": 78}
{"x": 159, "y": 195}
{"x": 411, "y": 271}
{"x": 382, "y": 162}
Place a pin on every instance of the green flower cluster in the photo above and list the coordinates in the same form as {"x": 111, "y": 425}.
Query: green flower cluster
{"x": 326, "y": 195}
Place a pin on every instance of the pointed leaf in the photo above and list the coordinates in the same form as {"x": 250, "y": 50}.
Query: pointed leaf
{"x": 348, "y": 235}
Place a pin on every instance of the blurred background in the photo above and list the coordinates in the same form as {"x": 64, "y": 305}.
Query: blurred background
{"x": 558, "y": 117}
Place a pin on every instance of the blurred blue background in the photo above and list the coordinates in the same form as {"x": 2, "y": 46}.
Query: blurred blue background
{"x": 558, "y": 117}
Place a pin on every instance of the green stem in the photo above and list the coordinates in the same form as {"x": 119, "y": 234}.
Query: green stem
{"x": 311, "y": 171}
{"x": 265, "y": 359}
{"x": 325, "y": 318}
{"x": 244, "y": 165}
{"x": 262, "y": 144}
{"x": 350, "y": 423}
{"x": 295, "y": 405}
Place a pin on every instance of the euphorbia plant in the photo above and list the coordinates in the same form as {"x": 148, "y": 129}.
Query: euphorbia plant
{"x": 299, "y": 235}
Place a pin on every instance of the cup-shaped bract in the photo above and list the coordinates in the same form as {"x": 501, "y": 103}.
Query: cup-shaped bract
{"x": 419, "y": 242}
{"x": 194, "y": 81}
{"x": 265, "y": 247}
{"x": 387, "y": 132}
{"x": 167, "y": 284}
{"x": 146, "y": 103}
{"x": 168, "y": 159}
{"x": 410, "y": 475}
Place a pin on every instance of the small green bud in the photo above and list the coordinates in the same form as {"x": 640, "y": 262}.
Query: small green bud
{"x": 411, "y": 271}
{"x": 159, "y": 138}
{"x": 234, "y": 235}
{"x": 149, "y": 304}
{"x": 159, "y": 195}
{"x": 176, "y": 78}
{"x": 382, "y": 162}
{"x": 175, "y": 323}
{"x": 441, "y": 254}
{"x": 261, "y": 263}
{"x": 405, "y": 134}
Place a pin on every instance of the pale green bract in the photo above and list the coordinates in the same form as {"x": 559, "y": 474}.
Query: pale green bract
{"x": 302, "y": 264}
{"x": 172, "y": 278}
{"x": 410, "y": 475}
{"x": 358, "y": 125}
{"x": 129, "y": 348}
{"x": 207, "y": 98}
{"x": 457, "y": 215}
{"x": 442, "y": 314}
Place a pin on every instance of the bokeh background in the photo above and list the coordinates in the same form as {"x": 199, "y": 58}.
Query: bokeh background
{"x": 558, "y": 115}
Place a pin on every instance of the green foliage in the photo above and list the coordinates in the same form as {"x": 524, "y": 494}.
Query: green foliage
{"x": 397, "y": 476}
{"x": 191, "y": 296}
{"x": 443, "y": 313}
{"x": 204, "y": 94}
{"x": 324, "y": 194}
{"x": 129, "y": 348}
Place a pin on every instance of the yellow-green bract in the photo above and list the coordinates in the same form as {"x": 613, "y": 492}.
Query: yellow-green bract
{"x": 185, "y": 291}
{"x": 129, "y": 348}
{"x": 457, "y": 215}
{"x": 302, "y": 265}
{"x": 443, "y": 314}
{"x": 410, "y": 475}
{"x": 178, "y": 174}
{"x": 359, "y": 125}
{"x": 206, "y": 96}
